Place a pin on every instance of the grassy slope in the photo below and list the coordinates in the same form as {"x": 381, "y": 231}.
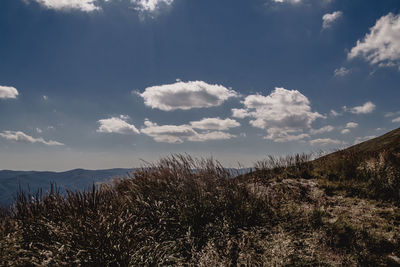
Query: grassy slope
{"x": 342, "y": 210}
{"x": 389, "y": 142}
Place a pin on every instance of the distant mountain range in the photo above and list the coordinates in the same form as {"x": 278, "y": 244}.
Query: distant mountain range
{"x": 10, "y": 181}
{"x": 78, "y": 179}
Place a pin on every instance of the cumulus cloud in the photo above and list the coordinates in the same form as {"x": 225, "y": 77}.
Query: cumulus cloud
{"x": 396, "y": 120}
{"x": 324, "y": 129}
{"x": 284, "y": 114}
{"x": 214, "y": 124}
{"x": 240, "y": 113}
{"x": 151, "y": 5}
{"x": 216, "y": 135}
{"x": 143, "y": 6}
{"x": 392, "y": 114}
{"x": 345, "y": 131}
{"x": 66, "y": 5}
{"x": 325, "y": 142}
{"x": 381, "y": 46}
{"x": 168, "y": 133}
{"x": 284, "y": 136}
{"x": 334, "y": 113}
{"x": 341, "y": 72}
{"x": 19, "y": 136}
{"x": 351, "y": 125}
{"x": 117, "y": 125}
{"x": 287, "y": 1}
{"x": 368, "y": 107}
{"x": 7, "y": 92}
{"x": 323, "y": 2}
{"x": 186, "y": 95}
{"x": 329, "y": 19}
{"x": 180, "y": 133}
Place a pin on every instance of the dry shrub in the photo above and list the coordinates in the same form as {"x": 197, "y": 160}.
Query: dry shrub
{"x": 187, "y": 212}
{"x": 296, "y": 166}
{"x": 367, "y": 175}
{"x": 164, "y": 214}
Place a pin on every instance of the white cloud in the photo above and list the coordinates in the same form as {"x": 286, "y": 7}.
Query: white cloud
{"x": 143, "y": 6}
{"x": 281, "y": 136}
{"x": 325, "y": 142}
{"x": 168, "y": 133}
{"x": 392, "y": 114}
{"x": 186, "y": 95}
{"x": 19, "y": 136}
{"x": 362, "y": 139}
{"x": 345, "y": 131}
{"x": 396, "y": 119}
{"x": 180, "y": 133}
{"x": 335, "y": 113}
{"x": 324, "y": 129}
{"x": 45, "y": 97}
{"x": 214, "y": 124}
{"x": 323, "y": 2}
{"x": 67, "y": 5}
{"x": 368, "y": 107}
{"x": 351, "y": 125}
{"x": 329, "y": 19}
{"x": 116, "y": 125}
{"x": 287, "y": 1}
{"x": 284, "y": 114}
{"x": 240, "y": 113}
{"x": 39, "y": 130}
{"x": 341, "y": 72}
{"x": 382, "y": 45}
{"x": 216, "y": 135}
{"x": 7, "y": 92}
{"x": 151, "y": 5}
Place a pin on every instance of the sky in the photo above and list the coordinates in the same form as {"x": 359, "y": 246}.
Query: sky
{"x": 116, "y": 83}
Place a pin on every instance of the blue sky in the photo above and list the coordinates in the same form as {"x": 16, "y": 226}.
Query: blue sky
{"x": 102, "y": 84}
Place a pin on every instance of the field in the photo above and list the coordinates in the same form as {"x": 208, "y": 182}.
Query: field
{"x": 342, "y": 209}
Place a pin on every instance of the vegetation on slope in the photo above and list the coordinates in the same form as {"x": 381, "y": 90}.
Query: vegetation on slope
{"x": 334, "y": 211}
{"x": 369, "y": 170}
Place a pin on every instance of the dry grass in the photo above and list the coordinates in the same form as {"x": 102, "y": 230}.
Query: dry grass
{"x": 192, "y": 212}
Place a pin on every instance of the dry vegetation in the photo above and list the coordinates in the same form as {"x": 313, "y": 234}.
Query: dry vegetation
{"x": 334, "y": 211}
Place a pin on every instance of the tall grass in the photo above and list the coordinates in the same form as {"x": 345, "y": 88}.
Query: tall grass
{"x": 163, "y": 214}
{"x": 182, "y": 211}
{"x": 369, "y": 175}
{"x": 291, "y": 166}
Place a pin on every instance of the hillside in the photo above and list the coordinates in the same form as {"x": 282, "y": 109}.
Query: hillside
{"x": 389, "y": 142}
{"x": 340, "y": 210}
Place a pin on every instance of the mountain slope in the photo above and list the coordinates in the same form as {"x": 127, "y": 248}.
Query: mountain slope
{"x": 389, "y": 142}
